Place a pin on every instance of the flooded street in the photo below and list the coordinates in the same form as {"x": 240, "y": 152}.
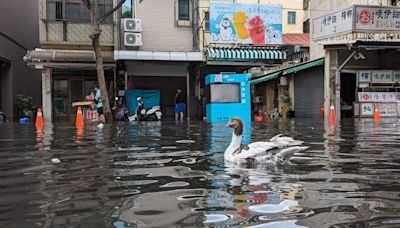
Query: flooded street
{"x": 172, "y": 174}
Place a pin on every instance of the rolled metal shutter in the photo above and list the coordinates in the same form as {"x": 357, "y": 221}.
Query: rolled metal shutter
{"x": 308, "y": 92}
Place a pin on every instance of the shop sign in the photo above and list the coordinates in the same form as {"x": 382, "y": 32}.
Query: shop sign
{"x": 396, "y": 76}
{"x": 364, "y": 76}
{"x": 333, "y": 24}
{"x": 387, "y": 109}
{"x": 235, "y": 23}
{"x": 367, "y": 109}
{"x": 382, "y": 76}
{"x": 377, "y": 18}
{"x": 378, "y": 97}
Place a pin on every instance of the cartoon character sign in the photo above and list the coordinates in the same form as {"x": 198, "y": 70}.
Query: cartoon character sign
{"x": 246, "y": 23}
{"x": 225, "y": 29}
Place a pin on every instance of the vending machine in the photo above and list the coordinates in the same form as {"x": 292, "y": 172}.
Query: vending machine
{"x": 228, "y": 95}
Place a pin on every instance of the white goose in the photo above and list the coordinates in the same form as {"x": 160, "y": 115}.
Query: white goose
{"x": 277, "y": 150}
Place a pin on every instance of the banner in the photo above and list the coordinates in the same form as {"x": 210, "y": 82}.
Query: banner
{"x": 236, "y": 23}
{"x": 378, "y": 97}
{"x": 332, "y": 24}
{"x": 377, "y": 18}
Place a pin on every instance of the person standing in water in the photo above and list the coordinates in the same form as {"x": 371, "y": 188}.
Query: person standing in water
{"x": 99, "y": 105}
{"x": 179, "y": 104}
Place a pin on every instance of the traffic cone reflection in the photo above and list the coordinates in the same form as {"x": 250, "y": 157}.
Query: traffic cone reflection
{"x": 79, "y": 118}
{"x": 332, "y": 115}
{"x": 377, "y": 116}
{"x": 39, "y": 118}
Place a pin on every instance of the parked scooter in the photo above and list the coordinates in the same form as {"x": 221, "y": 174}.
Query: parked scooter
{"x": 141, "y": 114}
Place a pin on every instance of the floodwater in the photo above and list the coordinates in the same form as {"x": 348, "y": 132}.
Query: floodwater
{"x": 168, "y": 174}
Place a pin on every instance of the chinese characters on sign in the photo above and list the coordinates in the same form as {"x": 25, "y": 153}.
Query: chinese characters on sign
{"x": 382, "y": 76}
{"x": 387, "y": 109}
{"x": 336, "y": 23}
{"x": 367, "y": 109}
{"x": 378, "y": 97}
{"x": 364, "y": 76}
{"x": 396, "y": 76}
{"x": 357, "y": 19}
{"x": 377, "y": 18}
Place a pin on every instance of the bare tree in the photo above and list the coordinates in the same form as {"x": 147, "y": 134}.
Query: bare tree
{"x": 95, "y": 37}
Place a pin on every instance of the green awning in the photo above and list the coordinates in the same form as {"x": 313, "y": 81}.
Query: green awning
{"x": 265, "y": 78}
{"x": 244, "y": 53}
{"x": 304, "y": 66}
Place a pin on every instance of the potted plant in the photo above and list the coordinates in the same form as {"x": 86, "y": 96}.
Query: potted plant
{"x": 286, "y": 101}
{"x": 25, "y": 108}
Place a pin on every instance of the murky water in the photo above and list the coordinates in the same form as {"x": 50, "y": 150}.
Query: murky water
{"x": 167, "y": 174}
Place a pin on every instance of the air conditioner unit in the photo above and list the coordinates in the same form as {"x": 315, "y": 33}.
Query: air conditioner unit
{"x": 133, "y": 39}
{"x": 132, "y": 25}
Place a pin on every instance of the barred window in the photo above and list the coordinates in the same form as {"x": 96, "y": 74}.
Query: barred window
{"x": 54, "y": 10}
{"x": 103, "y": 9}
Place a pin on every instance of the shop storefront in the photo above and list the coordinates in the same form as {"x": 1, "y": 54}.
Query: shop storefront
{"x": 361, "y": 60}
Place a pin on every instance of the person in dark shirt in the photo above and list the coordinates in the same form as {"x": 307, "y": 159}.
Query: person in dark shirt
{"x": 179, "y": 104}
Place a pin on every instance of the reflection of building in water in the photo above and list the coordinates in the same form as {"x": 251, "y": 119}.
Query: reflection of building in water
{"x": 163, "y": 209}
{"x": 78, "y": 191}
{"x": 238, "y": 189}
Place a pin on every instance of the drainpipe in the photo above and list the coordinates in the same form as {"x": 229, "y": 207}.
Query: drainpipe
{"x": 337, "y": 79}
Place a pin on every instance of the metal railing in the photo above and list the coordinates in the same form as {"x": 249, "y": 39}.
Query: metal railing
{"x": 76, "y": 32}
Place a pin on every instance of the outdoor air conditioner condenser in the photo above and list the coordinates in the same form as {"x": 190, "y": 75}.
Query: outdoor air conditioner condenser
{"x": 133, "y": 39}
{"x": 132, "y": 25}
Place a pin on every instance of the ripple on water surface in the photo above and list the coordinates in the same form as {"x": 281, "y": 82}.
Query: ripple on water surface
{"x": 155, "y": 174}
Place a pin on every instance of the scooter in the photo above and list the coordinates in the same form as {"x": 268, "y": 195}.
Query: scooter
{"x": 141, "y": 114}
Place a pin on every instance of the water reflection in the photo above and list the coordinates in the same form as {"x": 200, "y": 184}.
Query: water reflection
{"x": 172, "y": 174}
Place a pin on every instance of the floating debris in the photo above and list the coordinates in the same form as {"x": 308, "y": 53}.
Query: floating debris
{"x": 55, "y": 160}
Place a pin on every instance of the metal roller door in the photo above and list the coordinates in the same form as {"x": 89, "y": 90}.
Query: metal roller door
{"x": 308, "y": 92}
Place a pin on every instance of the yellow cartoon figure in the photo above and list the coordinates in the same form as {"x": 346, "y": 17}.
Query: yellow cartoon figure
{"x": 239, "y": 21}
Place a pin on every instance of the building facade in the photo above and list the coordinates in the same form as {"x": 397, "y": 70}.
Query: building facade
{"x": 165, "y": 56}
{"x": 360, "y": 61}
{"x": 65, "y": 56}
{"x": 18, "y": 33}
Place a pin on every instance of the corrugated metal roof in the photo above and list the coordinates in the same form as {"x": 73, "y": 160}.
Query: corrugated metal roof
{"x": 302, "y": 39}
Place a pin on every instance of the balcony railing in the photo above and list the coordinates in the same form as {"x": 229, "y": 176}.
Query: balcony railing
{"x": 70, "y": 32}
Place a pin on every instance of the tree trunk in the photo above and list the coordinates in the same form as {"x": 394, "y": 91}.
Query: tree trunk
{"x": 95, "y": 37}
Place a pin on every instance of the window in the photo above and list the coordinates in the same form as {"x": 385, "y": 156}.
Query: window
{"x": 225, "y": 93}
{"x": 207, "y": 21}
{"x": 77, "y": 11}
{"x": 54, "y": 10}
{"x": 127, "y": 9}
{"x": 103, "y": 9}
{"x": 183, "y": 10}
{"x": 291, "y": 17}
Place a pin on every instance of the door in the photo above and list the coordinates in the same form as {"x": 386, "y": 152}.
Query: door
{"x": 61, "y": 102}
{"x": 309, "y": 92}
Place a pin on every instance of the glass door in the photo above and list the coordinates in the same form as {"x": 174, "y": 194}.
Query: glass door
{"x": 61, "y": 100}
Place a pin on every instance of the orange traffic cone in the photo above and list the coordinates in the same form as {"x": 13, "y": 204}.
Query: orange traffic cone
{"x": 79, "y": 118}
{"x": 332, "y": 115}
{"x": 377, "y": 116}
{"x": 39, "y": 118}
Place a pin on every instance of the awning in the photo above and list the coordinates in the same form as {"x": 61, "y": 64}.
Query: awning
{"x": 288, "y": 70}
{"x": 303, "y": 66}
{"x": 265, "y": 78}
{"x": 244, "y": 53}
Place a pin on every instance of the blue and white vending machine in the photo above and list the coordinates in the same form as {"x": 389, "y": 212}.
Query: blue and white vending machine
{"x": 228, "y": 95}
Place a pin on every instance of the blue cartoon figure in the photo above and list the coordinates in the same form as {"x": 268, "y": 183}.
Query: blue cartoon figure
{"x": 223, "y": 29}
